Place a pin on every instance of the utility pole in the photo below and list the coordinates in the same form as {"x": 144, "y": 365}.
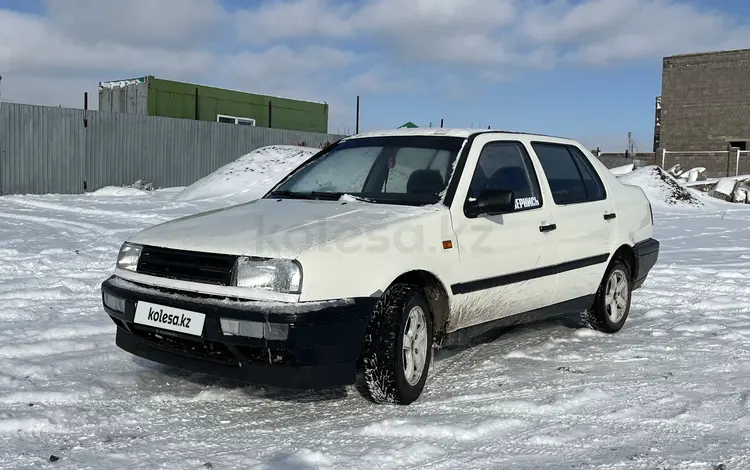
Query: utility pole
{"x": 631, "y": 144}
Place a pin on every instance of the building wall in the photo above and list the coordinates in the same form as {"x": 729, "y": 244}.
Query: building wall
{"x": 49, "y": 150}
{"x": 705, "y": 101}
{"x": 657, "y": 124}
{"x": 126, "y": 96}
{"x": 178, "y": 100}
{"x": 613, "y": 160}
{"x": 717, "y": 163}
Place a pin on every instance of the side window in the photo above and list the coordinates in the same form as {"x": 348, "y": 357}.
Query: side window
{"x": 506, "y": 166}
{"x": 591, "y": 181}
{"x": 570, "y": 178}
{"x": 562, "y": 173}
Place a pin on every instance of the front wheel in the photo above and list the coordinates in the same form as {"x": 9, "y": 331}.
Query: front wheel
{"x": 397, "y": 350}
{"x": 612, "y": 304}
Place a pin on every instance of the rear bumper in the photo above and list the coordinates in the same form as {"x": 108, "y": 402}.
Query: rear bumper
{"x": 646, "y": 255}
{"x": 321, "y": 350}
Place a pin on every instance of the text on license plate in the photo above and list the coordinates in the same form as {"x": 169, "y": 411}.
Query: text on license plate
{"x": 169, "y": 318}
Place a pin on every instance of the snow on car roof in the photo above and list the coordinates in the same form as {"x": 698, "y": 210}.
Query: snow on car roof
{"x": 437, "y": 131}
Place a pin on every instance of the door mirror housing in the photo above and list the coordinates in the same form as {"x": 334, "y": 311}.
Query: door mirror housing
{"x": 491, "y": 202}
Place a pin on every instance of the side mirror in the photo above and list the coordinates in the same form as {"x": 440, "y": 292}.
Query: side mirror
{"x": 491, "y": 202}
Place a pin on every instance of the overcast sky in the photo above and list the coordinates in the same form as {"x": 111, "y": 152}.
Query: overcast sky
{"x": 585, "y": 69}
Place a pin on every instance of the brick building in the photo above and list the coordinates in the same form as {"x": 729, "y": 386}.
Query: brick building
{"x": 705, "y": 101}
{"x": 704, "y": 109}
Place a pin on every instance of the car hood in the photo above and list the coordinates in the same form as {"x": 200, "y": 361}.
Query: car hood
{"x": 275, "y": 228}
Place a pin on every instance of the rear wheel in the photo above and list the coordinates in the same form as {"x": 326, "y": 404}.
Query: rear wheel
{"x": 397, "y": 350}
{"x": 612, "y": 304}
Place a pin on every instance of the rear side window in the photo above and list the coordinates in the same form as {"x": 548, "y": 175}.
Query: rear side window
{"x": 569, "y": 174}
{"x": 506, "y": 165}
{"x": 591, "y": 181}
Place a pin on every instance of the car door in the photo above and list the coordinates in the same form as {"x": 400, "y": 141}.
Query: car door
{"x": 504, "y": 259}
{"x": 585, "y": 216}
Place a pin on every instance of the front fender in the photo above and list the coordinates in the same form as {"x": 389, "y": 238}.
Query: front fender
{"x": 365, "y": 265}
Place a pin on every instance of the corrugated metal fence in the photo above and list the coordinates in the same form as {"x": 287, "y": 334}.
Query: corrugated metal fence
{"x": 50, "y": 150}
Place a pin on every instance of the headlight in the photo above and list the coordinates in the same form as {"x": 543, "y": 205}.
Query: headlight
{"x": 128, "y": 257}
{"x": 279, "y": 275}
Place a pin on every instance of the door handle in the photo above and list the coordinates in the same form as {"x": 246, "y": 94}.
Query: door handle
{"x": 610, "y": 216}
{"x": 547, "y": 228}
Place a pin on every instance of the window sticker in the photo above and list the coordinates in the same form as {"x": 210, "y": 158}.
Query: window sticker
{"x": 526, "y": 202}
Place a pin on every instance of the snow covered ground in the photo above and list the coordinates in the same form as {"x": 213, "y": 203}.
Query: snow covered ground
{"x": 670, "y": 391}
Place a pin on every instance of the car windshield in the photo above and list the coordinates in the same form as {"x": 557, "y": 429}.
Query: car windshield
{"x": 410, "y": 170}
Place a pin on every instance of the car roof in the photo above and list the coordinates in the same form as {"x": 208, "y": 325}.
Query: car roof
{"x": 444, "y": 132}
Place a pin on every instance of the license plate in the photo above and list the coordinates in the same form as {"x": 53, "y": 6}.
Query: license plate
{"x": 169, "y": 318}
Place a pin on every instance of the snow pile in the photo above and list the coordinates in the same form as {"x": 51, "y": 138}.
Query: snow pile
{"x": 731, "y": 188}
{"x": 661, "y": 188}
{"x": 622, "y": 170}
{"x": 139, "y": 188}
{"x": 250, "y": 176}
{"x": 118, "y": 191}
{"x": 687, "y": 176}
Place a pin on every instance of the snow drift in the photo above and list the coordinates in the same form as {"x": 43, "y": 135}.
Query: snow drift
{"x": 661, "y": 188}
{"x": 118, "y": 191}
{"x": 250, "y": 176}
{"x": 622, "y": 170}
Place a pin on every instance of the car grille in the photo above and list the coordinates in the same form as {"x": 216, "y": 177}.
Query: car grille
{"x": 207, "y": 268}
{"x": 199, "y": 349}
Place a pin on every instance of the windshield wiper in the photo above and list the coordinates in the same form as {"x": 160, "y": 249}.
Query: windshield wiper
{"x": 332, "y": 195}
{"x": 336, "y": 195}
{"x": 292, "y": 194}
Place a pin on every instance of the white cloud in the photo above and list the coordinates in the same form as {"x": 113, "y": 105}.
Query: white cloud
{"x": 519, "y": 33}
{"x": 599, "y": 32}
{"x": 381, "y": 79}
{"x": 286, "y": 64}
{"x": 176, "y": 23}
{"x": 32, "y": 45}
{"x": 66, "y": 92}
{"x": 332, "y": 49}
{"x": 281, "y": 20}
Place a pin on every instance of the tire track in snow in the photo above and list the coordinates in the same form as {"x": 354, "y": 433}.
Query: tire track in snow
{"x": 467, "y": 358}
{"x": 105, "y": 213}
{"x": 79, "y": 228}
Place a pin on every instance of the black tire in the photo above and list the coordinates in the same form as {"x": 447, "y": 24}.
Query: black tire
{"x": 599, "y": 317}
{"x": 383, "y": 358}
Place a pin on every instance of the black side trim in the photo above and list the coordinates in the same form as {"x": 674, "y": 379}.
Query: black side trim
{"x": 466, "y": 335}
{"x": 489, "y": 283}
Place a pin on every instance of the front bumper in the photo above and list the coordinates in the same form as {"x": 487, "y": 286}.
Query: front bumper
{"x": 321, "y": 350}
{"x": 646, "y": 255}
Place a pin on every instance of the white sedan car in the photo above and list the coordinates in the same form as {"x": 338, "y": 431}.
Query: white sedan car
{"x": 379, "y": 247}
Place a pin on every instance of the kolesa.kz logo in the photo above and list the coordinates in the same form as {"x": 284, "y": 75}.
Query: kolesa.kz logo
{"x": 160, "y": 317}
